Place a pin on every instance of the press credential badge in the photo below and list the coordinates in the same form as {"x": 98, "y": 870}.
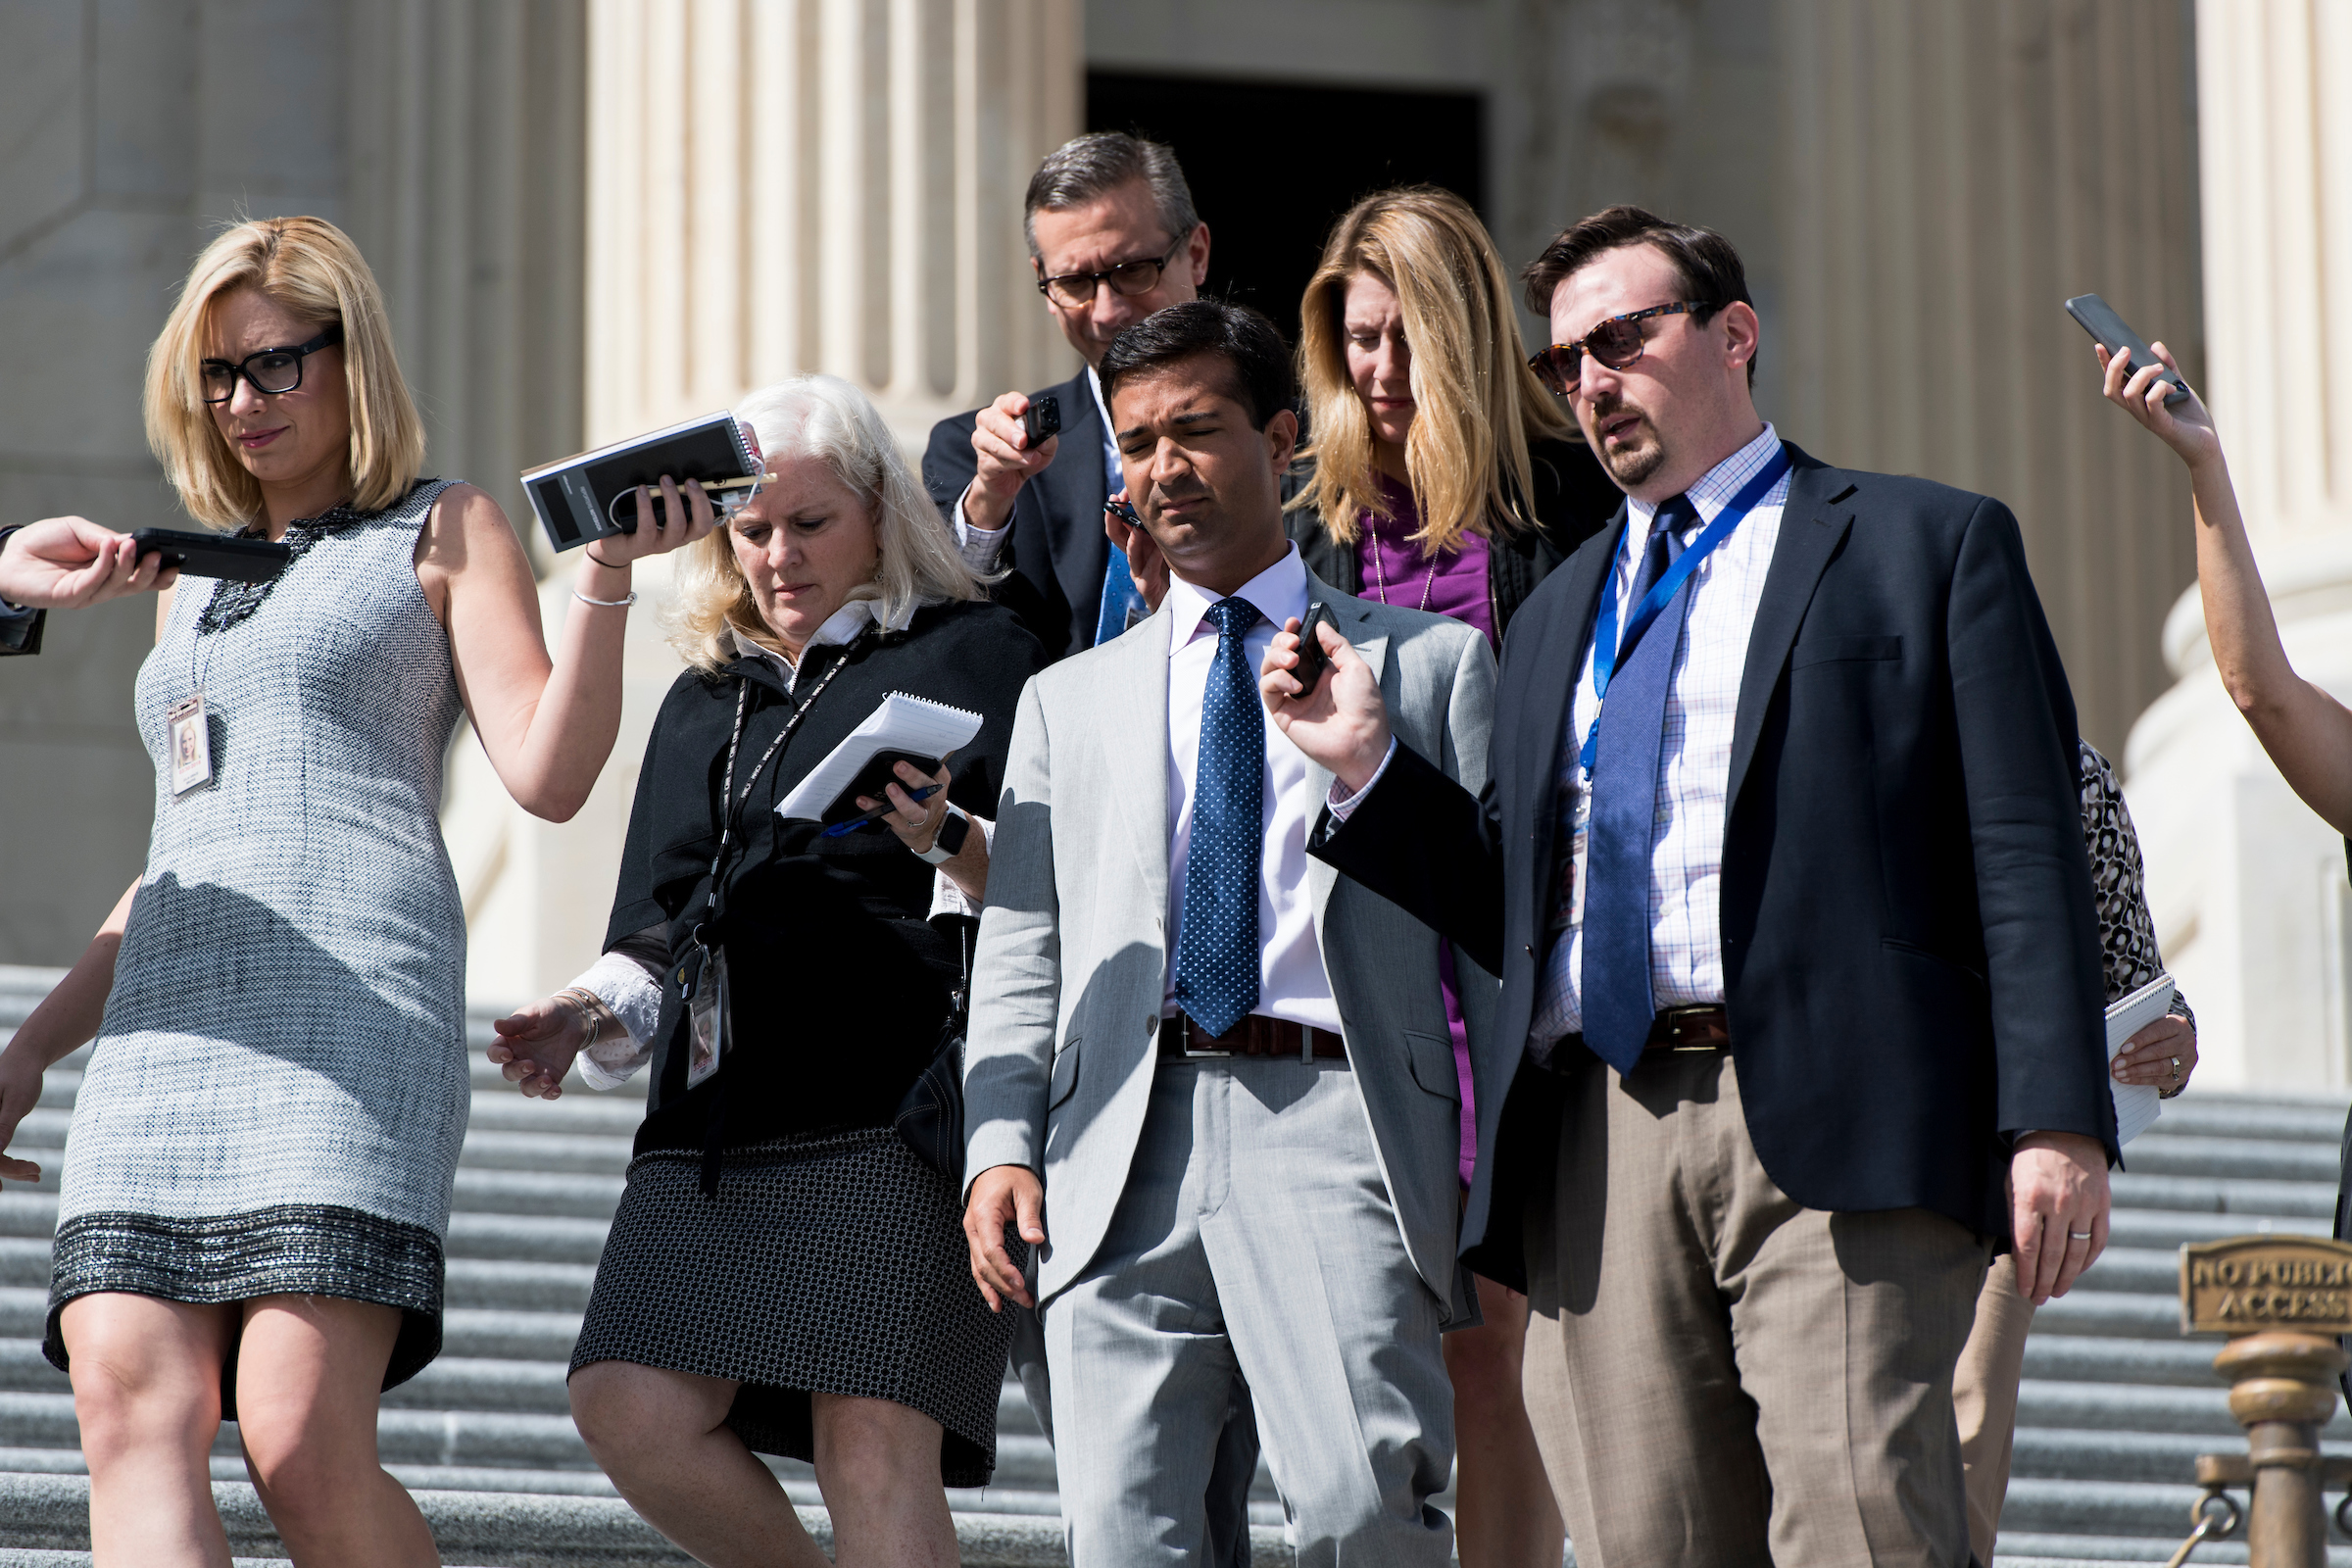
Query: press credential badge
{"x": 191, "y": 744}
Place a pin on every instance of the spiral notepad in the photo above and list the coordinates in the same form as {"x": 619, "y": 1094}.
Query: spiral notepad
{"x": 916, "y": 726}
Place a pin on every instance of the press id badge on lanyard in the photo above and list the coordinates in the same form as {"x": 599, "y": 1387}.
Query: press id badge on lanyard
{"x": 701, "y": 975}
{"x": 707, "y": 1009}
{"x": 191, "y": 744}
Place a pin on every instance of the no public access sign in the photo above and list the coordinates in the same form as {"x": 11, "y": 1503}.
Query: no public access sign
{"x": 2248, "y": 1284}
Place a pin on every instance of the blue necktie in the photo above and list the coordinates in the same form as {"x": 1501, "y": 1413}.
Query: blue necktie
{"x": 1217, "y": 951}
{"x": 1618, "y": 1004}
{"x": 1120, "y": 604}
{"x": 1119, "y": 599}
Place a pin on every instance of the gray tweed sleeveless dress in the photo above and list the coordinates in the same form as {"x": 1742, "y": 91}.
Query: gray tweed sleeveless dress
{"x": 278, "y": 1092}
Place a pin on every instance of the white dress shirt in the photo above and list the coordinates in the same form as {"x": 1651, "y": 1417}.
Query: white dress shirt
{"x": 1694, "y": 754}
{"x": 980, "y": 547}
{"x": 1291, "y": 980}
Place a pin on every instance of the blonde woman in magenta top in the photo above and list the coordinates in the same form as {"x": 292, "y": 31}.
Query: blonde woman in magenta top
{"x": 1446, "y": 478}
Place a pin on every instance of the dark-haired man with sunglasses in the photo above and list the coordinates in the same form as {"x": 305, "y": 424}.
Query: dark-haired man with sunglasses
{"x": 1112, "y": 238}
{"x": 1781, "y": 865}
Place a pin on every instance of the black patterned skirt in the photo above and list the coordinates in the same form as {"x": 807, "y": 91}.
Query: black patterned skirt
{"x": 832, "y": 1263}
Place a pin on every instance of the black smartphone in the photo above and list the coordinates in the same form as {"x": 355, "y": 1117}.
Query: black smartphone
{"x": 1042, "y": 419}
{"x": 1122, "y": 508}
{"x": 212, "y": 555}
{"x": 1313, "y": 662}
{"x": 2097, "y": 317}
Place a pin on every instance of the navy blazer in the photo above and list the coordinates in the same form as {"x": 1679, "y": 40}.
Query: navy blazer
{"x": 1910, "y": 946}
{"x": 1056, "y": 553}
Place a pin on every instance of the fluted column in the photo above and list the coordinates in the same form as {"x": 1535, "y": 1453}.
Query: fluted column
{"x": 773, "y": 186}
{"x": 2249, "y": 885}
{"x": 466, "y": 195}
{"x": 838, "y": 191}
{"x": 1955, "y": 169}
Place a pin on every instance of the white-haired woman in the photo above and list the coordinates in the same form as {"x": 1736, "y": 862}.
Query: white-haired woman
{"x": 250, "y": 1218}
{"x": 784, "y": 1276}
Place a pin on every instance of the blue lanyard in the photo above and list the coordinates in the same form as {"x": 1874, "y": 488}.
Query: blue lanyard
{"x": 1605, "y": 642}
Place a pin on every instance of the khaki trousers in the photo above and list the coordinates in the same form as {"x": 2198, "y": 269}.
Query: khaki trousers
{"x": 1984, "y": 1397}
{"x": 1717, "y": 1376}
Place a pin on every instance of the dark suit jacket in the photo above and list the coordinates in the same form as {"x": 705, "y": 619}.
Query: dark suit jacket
{"x": 1573, "y": 499}
{"x": 21, "y": 630}
{"x": 1056, "y": 553}
{"x": 1910, "y": 948}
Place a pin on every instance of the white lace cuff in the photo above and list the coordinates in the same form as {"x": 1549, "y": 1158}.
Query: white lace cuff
{"x": 621, "y": 984}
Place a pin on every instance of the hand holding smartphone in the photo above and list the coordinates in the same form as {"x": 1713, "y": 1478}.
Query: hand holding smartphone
{"x": 2097, "y": 317}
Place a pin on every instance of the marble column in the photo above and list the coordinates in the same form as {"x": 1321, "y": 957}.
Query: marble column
{"x": 1954, "y": 169}
{"x": 465, "y": 173}
{"x": 443, "y": 135}
{"x": 773, "y": 186}
{"x": 2249, "y": 885}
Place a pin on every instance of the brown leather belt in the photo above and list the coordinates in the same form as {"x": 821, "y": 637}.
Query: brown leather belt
{"x": 1689, "y": 1029}
{"x": 1182, "y": 1040}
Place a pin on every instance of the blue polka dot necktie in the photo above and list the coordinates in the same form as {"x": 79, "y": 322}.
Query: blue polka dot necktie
{"x": 1217, "y": 950}
{"x": 1618, "y": 1001}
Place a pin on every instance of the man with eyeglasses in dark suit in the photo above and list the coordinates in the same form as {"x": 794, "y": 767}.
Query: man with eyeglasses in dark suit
{"x": 1112, "y": 238}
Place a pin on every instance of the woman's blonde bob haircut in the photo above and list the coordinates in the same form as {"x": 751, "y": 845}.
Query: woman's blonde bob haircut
{"x": 310, "y": 267}
{"x": 1477, "y": 405}
{"x": 821, "y": 417}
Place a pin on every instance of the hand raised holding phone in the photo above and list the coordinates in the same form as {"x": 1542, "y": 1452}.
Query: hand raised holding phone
{"x": 1339, "y": 721}
{"x": 1012, "y": 444}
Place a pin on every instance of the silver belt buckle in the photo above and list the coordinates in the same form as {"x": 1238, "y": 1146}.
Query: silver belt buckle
{"x": 1184, "y": 1042}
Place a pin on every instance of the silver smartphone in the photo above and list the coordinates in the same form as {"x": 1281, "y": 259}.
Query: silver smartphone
{"x": 2097, "y": 317}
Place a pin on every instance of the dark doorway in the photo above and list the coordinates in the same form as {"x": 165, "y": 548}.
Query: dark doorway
{"x": 1272, "y": 164}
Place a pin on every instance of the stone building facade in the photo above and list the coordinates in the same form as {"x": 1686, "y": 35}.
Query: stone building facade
{"x": 591, "y": 218}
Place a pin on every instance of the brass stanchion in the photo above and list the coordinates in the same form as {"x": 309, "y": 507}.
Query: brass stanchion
{"x": 2284, "y": 1300}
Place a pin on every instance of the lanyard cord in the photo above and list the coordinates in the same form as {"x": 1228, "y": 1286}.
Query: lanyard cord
{"x": 729, "y": 807}
{"x": 1606, "y": 645}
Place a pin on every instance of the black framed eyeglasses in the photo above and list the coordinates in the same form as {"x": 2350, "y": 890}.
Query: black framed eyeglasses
{"x": 1074, "y": 292}
{"x": 1616, "y": 343}
{"x": 270, "y": 371}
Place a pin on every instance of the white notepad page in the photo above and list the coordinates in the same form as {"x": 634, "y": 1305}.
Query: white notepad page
{"x": 901, "y": 724}
{"x": 2137, "y": 1106}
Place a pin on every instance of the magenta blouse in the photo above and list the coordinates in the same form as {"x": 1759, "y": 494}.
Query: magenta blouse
{"x": 1399, "y": 572}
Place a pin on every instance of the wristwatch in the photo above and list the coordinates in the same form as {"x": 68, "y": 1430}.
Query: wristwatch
{"x": 950, "y": 840}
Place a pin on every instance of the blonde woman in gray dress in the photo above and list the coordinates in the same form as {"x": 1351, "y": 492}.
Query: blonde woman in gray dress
{"x": 258, "y": 1183}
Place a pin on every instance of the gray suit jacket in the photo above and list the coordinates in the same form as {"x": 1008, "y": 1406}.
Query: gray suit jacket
{"x": 1070, "y": 970}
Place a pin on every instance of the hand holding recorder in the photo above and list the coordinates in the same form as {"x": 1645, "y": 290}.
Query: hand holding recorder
{"x": 70, "y": 562}
{"x": 1338, "y": 719}
{"x": 1014, "y": 440}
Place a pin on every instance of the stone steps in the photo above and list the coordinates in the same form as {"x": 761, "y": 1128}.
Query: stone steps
{"x": 2115, "y": 1408}
{"x": 536, "y": 1188}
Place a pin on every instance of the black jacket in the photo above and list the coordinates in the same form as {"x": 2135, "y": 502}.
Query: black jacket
{"x": 1910, "y": 948}
{"x": 840, "y": 982}
{"x": 1056, "y": 553}
{"x": 1573, "y": 499}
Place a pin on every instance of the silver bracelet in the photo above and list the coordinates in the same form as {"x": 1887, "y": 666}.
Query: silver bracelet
{"x": 606, "y": 603}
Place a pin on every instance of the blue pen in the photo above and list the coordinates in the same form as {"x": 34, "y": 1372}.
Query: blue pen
{"x": 839, "y": 830}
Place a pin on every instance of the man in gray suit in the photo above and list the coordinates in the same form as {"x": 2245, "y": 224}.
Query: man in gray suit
{"x": 1217, "y": 1076}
